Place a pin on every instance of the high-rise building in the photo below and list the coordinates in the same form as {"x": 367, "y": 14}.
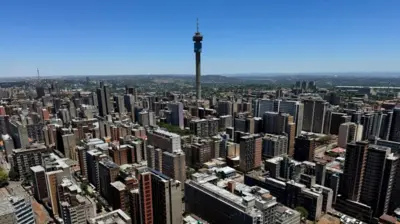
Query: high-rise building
{"x": 304, "y": 148}
{"x": 176, "y": 109}
{"x": 146, "y": 198}
{"x": 19, "y": 134}
{"x": 354, "y": 170}
{"x": 349, "y": 132}
{"x": 16, "y": 210}
{"x": 24, "y": 159}
{"x": 395, "y": 126}
{"x": 39, "y": 183}
{"x": 250, "y": 152}
{"x": 167, "y": 209}
{"x": 224, "y": 108}
{"x": 367, "y": 121}
{"x": 333, "y": 120}
{"x": 74, "y": 208}
{"x": 174, "y": 165}
{"x": 275, "y": 123}
{"x": 103, "y": 99}
{"x": 274, "y": 145}
{"x": 295, "y": 109}
{"x": 108, "y": 172}
{"x": 265, "y": 105}
{"x": 314, "y": 115}
{"x": 200, "y": 152}
{"x": 118, "y": 196}
{"x": 165, "y": 140}
{"x": 373, "y": 186}
{"x": 4, "y": 124}
{"x": 216, "y": 205}
{"x": 119, "y": 104}
{"x": 143, "y": 118}
{"x": 385, "y": 125}
{"x": 93, "y": 157}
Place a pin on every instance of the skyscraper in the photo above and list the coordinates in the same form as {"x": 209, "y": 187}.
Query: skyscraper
{"x": 395, "y": 127}
{"x": 314, "y": 115}
{"x": 376, "y": 190}
{"x": 349, "y": 132}
{"x": 354, "y": 166}
{"x": 250, "y": 152}
{"x": 176, "y": 109}
{"x": 167, "y": 209}
{"x": 197, "y": 39}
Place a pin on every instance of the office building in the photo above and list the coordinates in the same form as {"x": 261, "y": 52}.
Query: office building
{"x": 274, "y": 145}
{"x": 395, "y": 126}
{"x": 174, "y": 165}
{"x": 118, "y": 196}
{"x": 39, "y": 182}
{"x": 74, "y": 207}
{"x": 275, "y": 123}
{"x": 354, "y": 167}
{"x": 349, "y": 132}
{"x": 294, "y": 109}
{"x": 224, "y": 108}
{"x": 216, "y": 205}
{"x": 165, "y": 140}
{"x": 119, "y": 104}
{"x": 93, "y": 157}
{"x": 285, "y": 215}
{"x": 176, "y": 109}
{"x": 19, "y": 134}
{"x": 24, "y": 159}
{"x": 167, "y": 209}
{"x": 304, "y": 148}
{"x": 108, "y": 173}
{"x": 376, "y": 190}
{"x": 314, "y": 115}
{"x": 225, "y": 121}
{"x": 145, "y": 203}
{"x": 250, "y": 152}
{"x": 16, "y": 210}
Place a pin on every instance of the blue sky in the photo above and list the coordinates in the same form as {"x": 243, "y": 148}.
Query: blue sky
{"x": 101, "y": 37}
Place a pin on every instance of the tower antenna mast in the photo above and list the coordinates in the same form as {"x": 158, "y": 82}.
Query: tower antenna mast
{"x": 38, "y": 74}
{"x": 197, "y": 25}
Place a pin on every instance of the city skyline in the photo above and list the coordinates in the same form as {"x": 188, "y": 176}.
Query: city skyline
{"x": 83, "y": 38}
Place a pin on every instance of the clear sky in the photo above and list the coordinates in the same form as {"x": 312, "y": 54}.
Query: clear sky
{"x": 101, "y": 37}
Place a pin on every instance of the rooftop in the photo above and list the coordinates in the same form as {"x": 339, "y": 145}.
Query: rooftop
{"x": 166, "y": 133}
{"x": 37, "y": 169}
{"x": 118, "y": 185}
{"x": 114, "y": 217}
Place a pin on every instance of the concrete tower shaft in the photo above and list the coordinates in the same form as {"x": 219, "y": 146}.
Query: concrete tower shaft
{"x": 197, "y": 39}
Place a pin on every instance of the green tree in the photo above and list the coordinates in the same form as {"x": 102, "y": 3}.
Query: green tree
{"x": 13, "y": 175}
{"x": 303, "y": 211}
{"x": 3, "y": 178}
{"x": 84, "y": 188}
{"x": 99, "y": 207}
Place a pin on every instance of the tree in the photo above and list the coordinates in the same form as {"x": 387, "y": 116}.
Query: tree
{"x": 303, "y": 211}
{"x": 13, "y": 175}
{"x": 27, "y": 180}
{"x": 3, "y": 178}
{"x": 84, "y": 188}
{"x": 99, "y": 207}
{"x": 189, "y": 172}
